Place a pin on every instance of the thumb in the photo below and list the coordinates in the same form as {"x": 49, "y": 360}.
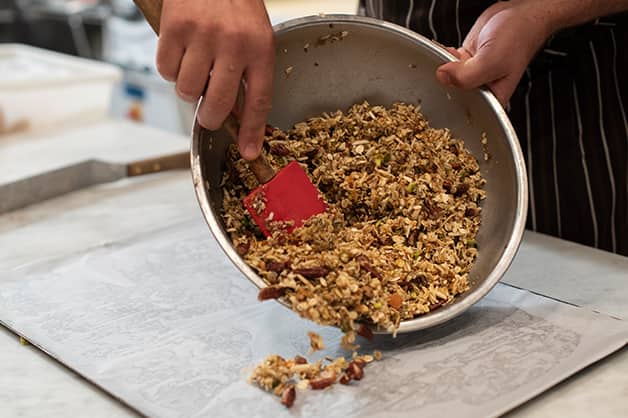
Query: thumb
{"x": 477, "y": 71}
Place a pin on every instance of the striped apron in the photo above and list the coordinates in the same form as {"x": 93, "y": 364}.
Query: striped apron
{"x": 570, "y": 112}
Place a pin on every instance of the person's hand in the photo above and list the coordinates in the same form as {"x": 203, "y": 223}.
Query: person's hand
{"x": 499, "y": 47}
{"x": 232, "y": 40}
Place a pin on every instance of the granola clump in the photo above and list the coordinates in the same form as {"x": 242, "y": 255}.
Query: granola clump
{"x": 316, "y": 342}
{"x": 281, "y": 376}
{"x": 398, "y": 238}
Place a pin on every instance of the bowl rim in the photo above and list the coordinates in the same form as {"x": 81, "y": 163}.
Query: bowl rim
{"x": 512, "y": 246}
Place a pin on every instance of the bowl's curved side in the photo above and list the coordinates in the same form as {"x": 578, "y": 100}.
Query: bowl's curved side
{"x": 297, "y": 98}
{"x": 202, "y": 137}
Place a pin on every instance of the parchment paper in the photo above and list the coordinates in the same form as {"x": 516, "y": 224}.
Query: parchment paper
{"x": 164, "y": 322}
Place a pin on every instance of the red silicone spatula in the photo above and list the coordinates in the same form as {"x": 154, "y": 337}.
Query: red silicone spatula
{"x": 288, "y": 199}
{"x": 285, "y": 199}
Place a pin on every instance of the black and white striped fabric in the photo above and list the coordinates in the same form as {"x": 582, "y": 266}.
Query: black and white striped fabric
{"x": 570, "y": 112}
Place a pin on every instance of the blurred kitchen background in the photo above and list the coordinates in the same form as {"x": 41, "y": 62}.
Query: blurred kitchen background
{"x": 109, "y": 66}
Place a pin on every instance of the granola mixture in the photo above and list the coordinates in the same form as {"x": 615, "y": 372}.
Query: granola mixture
{"x": 281, "y": 376}
{"x": 398, "y": 239}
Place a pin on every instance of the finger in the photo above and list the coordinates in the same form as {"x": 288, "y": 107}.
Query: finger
{"x": 504, "y": 88}
{"x": 453, "y": 51}
{"x": 169, "y": 55}
{"x": 193, "y": 73}
{"x": 221, "y": 93}
{"x": 464, "y": 53}
{"x": 236, "y": 110}
{"x": 474, "y": 72}
{"x": 257, "y": 106}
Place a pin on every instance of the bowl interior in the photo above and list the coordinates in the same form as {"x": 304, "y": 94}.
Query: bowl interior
{"x": 329, "y": 63}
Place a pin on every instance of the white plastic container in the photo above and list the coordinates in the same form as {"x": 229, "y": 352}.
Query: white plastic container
{"x": 44, "y": 88}
{"x": 282, "y": 10}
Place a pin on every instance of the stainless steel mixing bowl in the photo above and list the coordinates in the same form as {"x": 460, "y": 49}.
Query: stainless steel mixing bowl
{"x": 383, "y": 63}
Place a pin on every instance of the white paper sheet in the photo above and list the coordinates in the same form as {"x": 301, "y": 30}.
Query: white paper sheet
{"x": 164, "y": 322}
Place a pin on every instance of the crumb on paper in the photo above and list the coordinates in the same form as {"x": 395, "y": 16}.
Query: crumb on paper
{"x": 288, "y": 71}
{"x": 316, "y": 342}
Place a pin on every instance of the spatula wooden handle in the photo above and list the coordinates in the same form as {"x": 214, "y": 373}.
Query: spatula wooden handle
{"x": 151, "y": 9}
{"x": 259, "y": 166}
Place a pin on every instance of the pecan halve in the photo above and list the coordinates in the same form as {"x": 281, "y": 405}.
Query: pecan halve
{"x": 437, "y": 305}
{"x": 432, "y": 210}
{"x": 354, "y": 371}
{"x": 243, "y": 247}
{"x": 276, "y": 266}
{"x": 288, "y": 395}
{"x": 461, "y": 189}
{"x": 471, "y": 212}
{"x": 312, "y": 272}
{"x": 344, "y": 379}
{"x": 268, "y": 130}
{"x": 366, "y": 332}
{"x": 326, "y": 378}
{"x": 311, "y": 153}
{"x": 365, "y": 264}
{"x": 279, "y": 149}
{"x": 270, "y": 292}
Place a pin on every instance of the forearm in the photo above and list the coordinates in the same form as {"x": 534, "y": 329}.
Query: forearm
{"x": 559, "y": 14}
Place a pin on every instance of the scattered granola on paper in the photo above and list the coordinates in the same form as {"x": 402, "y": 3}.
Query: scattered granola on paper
{"x": 281, "y": 376}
